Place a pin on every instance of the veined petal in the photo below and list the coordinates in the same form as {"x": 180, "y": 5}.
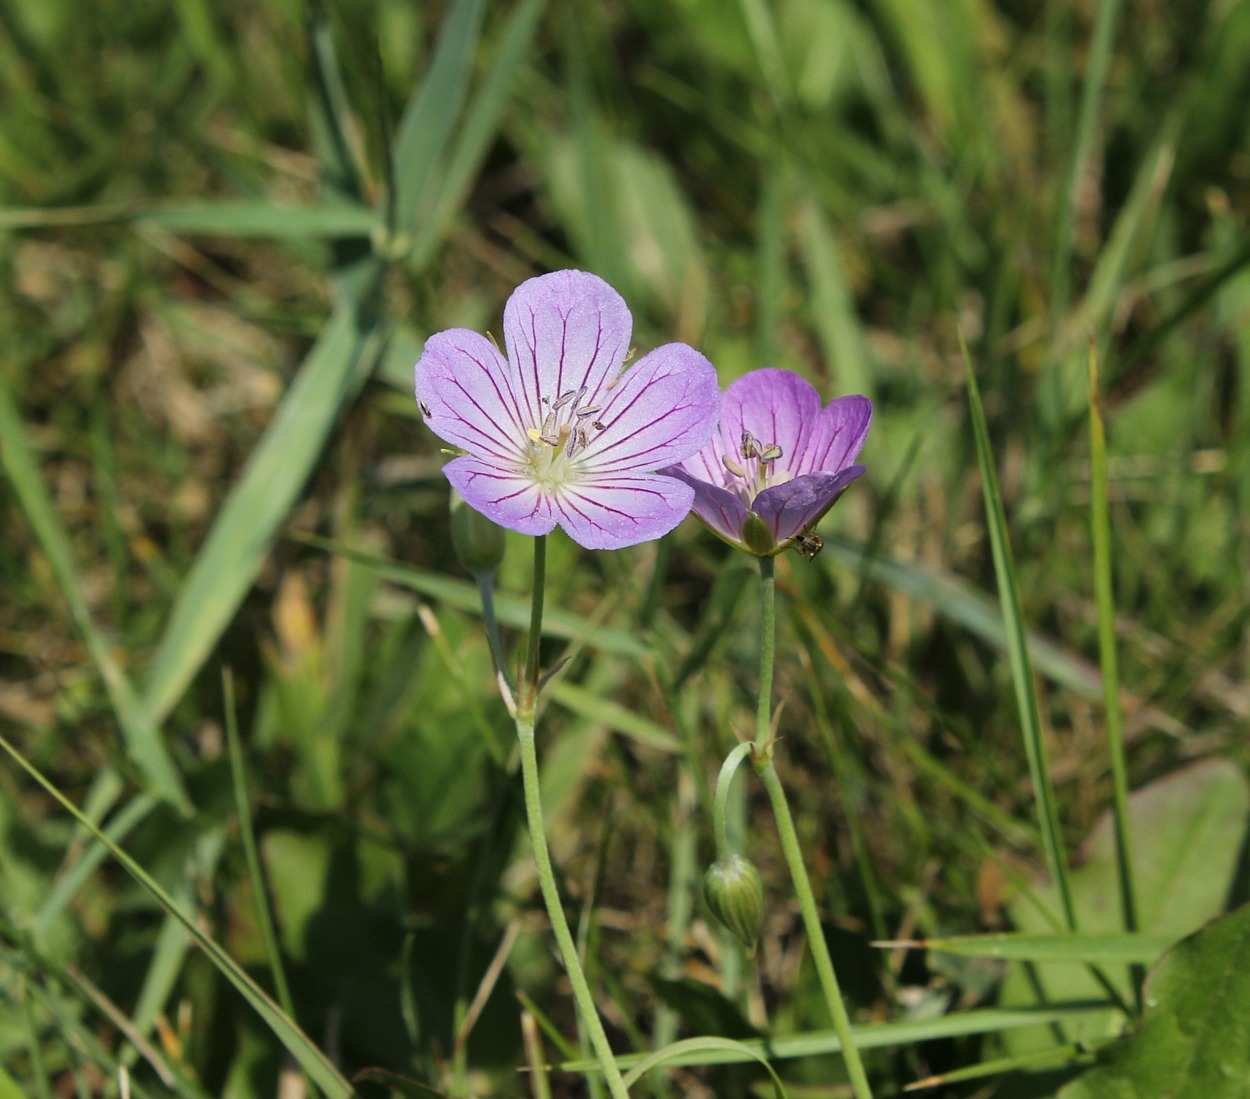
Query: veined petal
{"x": 719, "y": 509}
{"x": 839, "y": 437}
{"x": 463, "y": 382}
{"x": 619, "y": 510}
{"x": 663, "y": 410}
{"x": 508, "y": 498}
{"x": 790, "y": 508}
{"x": 775, "y": 406}
{"x": 563, "y": 331}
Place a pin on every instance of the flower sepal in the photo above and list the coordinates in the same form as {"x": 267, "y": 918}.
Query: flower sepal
{"x": 757, "y": 538}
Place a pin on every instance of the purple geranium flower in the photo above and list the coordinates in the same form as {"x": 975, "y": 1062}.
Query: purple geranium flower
{"x": 557, "y": 432}
{"x": 778, "y": 463}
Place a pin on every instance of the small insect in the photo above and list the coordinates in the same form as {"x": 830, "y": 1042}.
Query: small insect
{"x": 809, "y": 544}
{"x": 425, "y": 409}
{"x": 598, "y": 425}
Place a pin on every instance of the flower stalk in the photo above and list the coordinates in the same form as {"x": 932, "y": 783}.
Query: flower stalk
{"x": 762, "y": 760}
{"x": 527, "y": 694}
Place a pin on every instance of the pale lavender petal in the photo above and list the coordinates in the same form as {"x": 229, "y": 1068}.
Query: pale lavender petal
{"x": 563, "y": 331}
{"x": 504, "y": 496}
{"x": 462, "y": 381}
{"x": 840, "y": 436}
{"x": 791, "y": 508}
{"x": 663, "y": 410}
{"x": 775, "y": 406}
{"x": 720, "y": 510}
{"x": 623, "y": 509}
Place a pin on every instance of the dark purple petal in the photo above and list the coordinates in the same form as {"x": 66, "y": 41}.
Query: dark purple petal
{"x": 791, "y": 508}
{"x": 775, "y": 406}
{"x": 463, "y": 381}
{"x": 663, "y": 410}
{"x": 563, "y": 331}
{"x": 618, "y": 510}
{"x": 509, "y": 498}
{"x": 840, "y": 436}
{"x": 720, "y": 510}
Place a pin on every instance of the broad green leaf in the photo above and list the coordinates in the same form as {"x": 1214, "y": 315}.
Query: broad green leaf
{"x": 1194, "y": 1039}
{"x": 284, "y": 457}
{"x": 296, "y": 1042}
{"x": 1187, "y": 831}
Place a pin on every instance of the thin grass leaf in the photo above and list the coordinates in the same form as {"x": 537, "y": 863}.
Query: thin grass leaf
{"x": 1018, "y": 654}
{"x": 1064, "y": 947}
{"x": 1070, "y": 1054}
{"x": 432, "y": 115}
{"x": 280, "y": 464}
{"x": 294, "y": 1040}
{"x": 878, "y": 1035}
{"x": 1100, "y": 531}
{"x": 144, "y": 743}
{"x": 476, "y": 132}
{"x": 336, "y": 130}
{"x": 511, "y": 611}
{"x": 226, "y": 218}
{"x": 582, "y": 702}
{"x": 672, "y": 1054}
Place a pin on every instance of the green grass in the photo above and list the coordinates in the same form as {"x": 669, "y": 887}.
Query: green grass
{"x": 224, "y": 235}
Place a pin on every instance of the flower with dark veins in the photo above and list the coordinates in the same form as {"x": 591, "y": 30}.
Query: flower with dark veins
{"x": 557, "y": 432}
{"x": 777, "y": 464}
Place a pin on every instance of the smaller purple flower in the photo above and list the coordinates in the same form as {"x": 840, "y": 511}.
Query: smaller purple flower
{"x": 777, "y": 464}
{"x": 557, "y": 432}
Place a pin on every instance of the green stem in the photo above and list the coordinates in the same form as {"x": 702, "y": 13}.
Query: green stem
{"x": 555, "y": 910}
{"x": 527, "y": 696}
{"x": 815, "y": 934}
{"x": 761, "y": 757}
{"x": 720, "y": 803}
{"x": 768, "y": 634}
{"x": 526, "y": 701}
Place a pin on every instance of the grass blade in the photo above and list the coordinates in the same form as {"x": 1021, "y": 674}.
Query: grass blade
{"x": 276, "y": 471}
{"x": 1100, "y": 531}
{"x": 296, "y": 1042}
{"x": 432, "y": 114}
{"x": 227, "y": 218}
{"x": 1025, "y": 947}
{"x": 1018, "y": 654}
{"x": 139, "y": 729}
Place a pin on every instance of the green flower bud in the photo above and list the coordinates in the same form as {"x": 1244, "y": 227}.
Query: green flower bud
{"x": 757, "y": 537}
{"x": 733, "y": 892}
{"x": 478, "y": 542}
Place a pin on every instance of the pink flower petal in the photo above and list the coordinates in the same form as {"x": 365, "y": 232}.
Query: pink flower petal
{"x": 509, "y": 498}
{"x": 840, "y": 435}
{"x": 720, "y": 510}
{"x": 463, "y": 383}
{"x": 776, "y": 407}
{"x": 563, "y": 331}
{"x": 663, "y": 410}
{"x": 791, "y": 508}
{"x": 623, "y": 509}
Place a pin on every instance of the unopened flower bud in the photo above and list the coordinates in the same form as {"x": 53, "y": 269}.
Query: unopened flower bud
{"x": 757, "y": 536}
{"x": 478, "y": 542}
{"x": 734, "y": 894}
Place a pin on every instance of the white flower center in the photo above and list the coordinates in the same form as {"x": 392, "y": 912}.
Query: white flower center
{"x": 567, "y": 430}
{"x": 756, "y": 471}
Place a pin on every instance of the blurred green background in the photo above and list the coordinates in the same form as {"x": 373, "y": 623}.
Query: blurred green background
{"x": 225, "y": 231}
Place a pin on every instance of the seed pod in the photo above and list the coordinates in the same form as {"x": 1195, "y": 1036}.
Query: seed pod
{"x": 478, "y": 542}
{"x": 735, "y": 896}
